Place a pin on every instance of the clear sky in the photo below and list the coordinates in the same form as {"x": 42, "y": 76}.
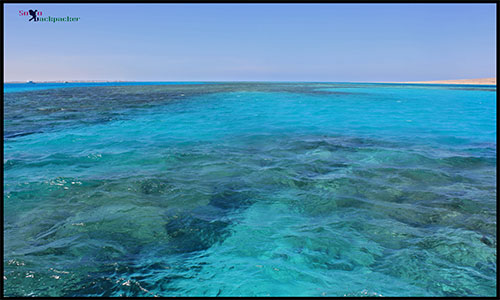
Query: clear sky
{"x": 275, "y": 42}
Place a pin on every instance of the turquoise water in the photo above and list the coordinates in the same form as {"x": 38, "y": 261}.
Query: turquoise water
{"x": 250, "y": 189}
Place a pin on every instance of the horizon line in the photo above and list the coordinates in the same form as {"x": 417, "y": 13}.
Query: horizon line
{"x": 484, "y": 80}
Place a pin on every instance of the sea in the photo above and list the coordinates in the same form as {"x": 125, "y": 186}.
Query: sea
{"x": 249, "y": 189}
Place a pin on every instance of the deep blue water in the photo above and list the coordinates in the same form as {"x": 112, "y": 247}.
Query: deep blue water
{"x": 250, "y": 189}
{"x": 25, "y": 87}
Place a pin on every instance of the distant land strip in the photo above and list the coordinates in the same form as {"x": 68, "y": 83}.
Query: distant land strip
{"x": 486, "y": 81}
{"x": 64, "y": 81}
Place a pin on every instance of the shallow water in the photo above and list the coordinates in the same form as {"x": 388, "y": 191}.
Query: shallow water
{"x": 251, "y": 189}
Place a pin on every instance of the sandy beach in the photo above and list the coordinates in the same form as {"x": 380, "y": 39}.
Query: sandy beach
{"x": 485, "y": 81}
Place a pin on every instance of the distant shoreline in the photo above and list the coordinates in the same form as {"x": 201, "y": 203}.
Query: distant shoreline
{"x": 476, "y": 81}
{"x": 70, "y": 81}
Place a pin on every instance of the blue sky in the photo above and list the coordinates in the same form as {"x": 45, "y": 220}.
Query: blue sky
{"x": 278, "y": 42}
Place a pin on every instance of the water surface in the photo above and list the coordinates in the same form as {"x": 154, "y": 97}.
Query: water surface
{"x": 250, "y": 189}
